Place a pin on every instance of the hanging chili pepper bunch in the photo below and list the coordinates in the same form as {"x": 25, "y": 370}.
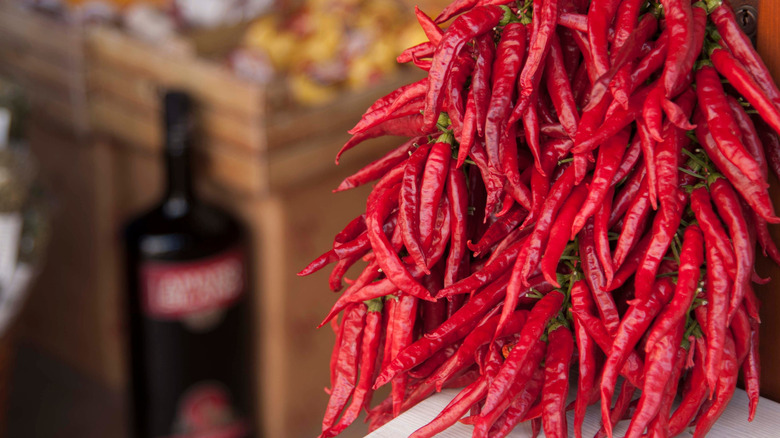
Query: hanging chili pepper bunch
{"x": 581, "y": 197}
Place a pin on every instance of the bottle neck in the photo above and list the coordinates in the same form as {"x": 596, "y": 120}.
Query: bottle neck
{"x": 179, "y": 194}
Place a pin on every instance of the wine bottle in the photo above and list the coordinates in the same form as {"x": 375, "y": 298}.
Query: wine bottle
{"x": 189, "y": 312}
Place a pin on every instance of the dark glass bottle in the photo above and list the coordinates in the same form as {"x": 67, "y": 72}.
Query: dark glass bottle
{"x": 189, "y": 310}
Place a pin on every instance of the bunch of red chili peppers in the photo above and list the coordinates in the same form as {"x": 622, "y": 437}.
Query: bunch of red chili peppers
{"x": 581, "y": 198}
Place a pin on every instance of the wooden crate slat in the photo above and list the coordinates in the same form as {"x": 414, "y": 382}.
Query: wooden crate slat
{"x": 36, "y": 70}
{"x": 42, "y": 36}
{"x": 207, "y": 81}
{"x": 241, "y": 173}
{"x": 141, "y": 94}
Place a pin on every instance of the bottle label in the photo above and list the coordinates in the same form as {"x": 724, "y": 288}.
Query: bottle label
{"x": 182, "y": 290}
{"x": 205, "y": 411}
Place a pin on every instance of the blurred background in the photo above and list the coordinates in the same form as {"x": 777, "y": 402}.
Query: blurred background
{"x": 275, "y": 83}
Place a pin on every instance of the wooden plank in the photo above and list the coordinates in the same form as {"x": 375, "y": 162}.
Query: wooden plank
{"x": 40, "y": 72}
{"x": 286, "y": 166}
{"x": 141, "y": 95}
{"x": 239, "y": 171}
{"x": 113, "y": 119}
{"x": 64, "y": 313}
{"x": 768, "y": 44}
{"x": 35, "y": 33}
{"x": 208, "y": 82}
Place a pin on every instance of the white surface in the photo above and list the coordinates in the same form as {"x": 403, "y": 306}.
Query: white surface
{"x": 732, "y": 424}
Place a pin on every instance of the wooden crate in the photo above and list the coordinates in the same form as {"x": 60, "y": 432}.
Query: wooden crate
{"x": 270, "y": 164}
{"x": 46, "y": 57}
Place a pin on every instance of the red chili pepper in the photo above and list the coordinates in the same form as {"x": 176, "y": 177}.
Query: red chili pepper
{"x": 457, "y": 192}
{"x": 379, "y": 167}
{"x": 730, "y": 210}
{"x": 658, "y": 368}
{"x": 499, "y": 230}
{"x": 587, "y": 374}
{"x": 508, "y": 60}
{"x": 490, "y": 413}
{"x": 621, "y": 408}
{"x": 664, "y": 228}
{"x": 679, "y": 25}
{"x": 740, "y": 79}
{"x": 694, "y": 397}
{"x": 455, "y": 8}
{"x": 582, "y": 308}
{"x": 632, "y": 327}
{"x": 346, "y": 366}
{"x": 393, "y": 105}
{"x": 406, "y": 126}
{"x": 691, "y": 259}
{"x": 453, "y": 329}
{"x": 556, "y": 382}
{"x": 628, "y": 192}
{"x": 480, "y": 83}
{"x": 742, "y": 48}
{"x": 728, "y": 370}
{"x": 751, "y": 370}
{"x": 559, "y": 234}
{"x": 454, "y": 410}
{"x": 622, "y": 87}
{"x": 659, "y": 426}
{"x": 623, "y": 57}
{"x": 431, "y": 29}
{"x": 714, "y": 106}
{"x": 543, "y": 27}
{"x": 379, "y": 208}
{"x": 619, "y": 119}
{"x": 573, "y": 21}
{"x": 625, "y": 22}
{"x": 668, "y": 153}
{"x": 600, "y": 15}
{"x": 633, "y": 225}
{"x": 594, "y": 276}
{"x": 319, "y": 263}
{"x": 532, "y": 130}
{"x": 717, "y": 292}
{"x": 400, "y": 337}
{"x": 631, "y": 263}
{"x": 531, "y": 252}
{"x": 559, "y": 88}
{"x": 714, "y": 232}
{"x": 433, "y": 181}
{"x": 520, "y": 407}
{"x": 369, "y": 348}
{"x": 409, "y": 205}
{"x": 753, "y": 192}
{"x": 466, "y": 27}
{"x": 541, "y": 314}
{"x": 610, "y": 156}
{"x": 481, "y": 335}
{"x": 750, "y": 136}
{"x": 491, "y": 177}
{"x": 740, "y": 332}
{"x": 455, "y": 98}
{"x": 422, "y": 50}
{"x": 489, "y": 273}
